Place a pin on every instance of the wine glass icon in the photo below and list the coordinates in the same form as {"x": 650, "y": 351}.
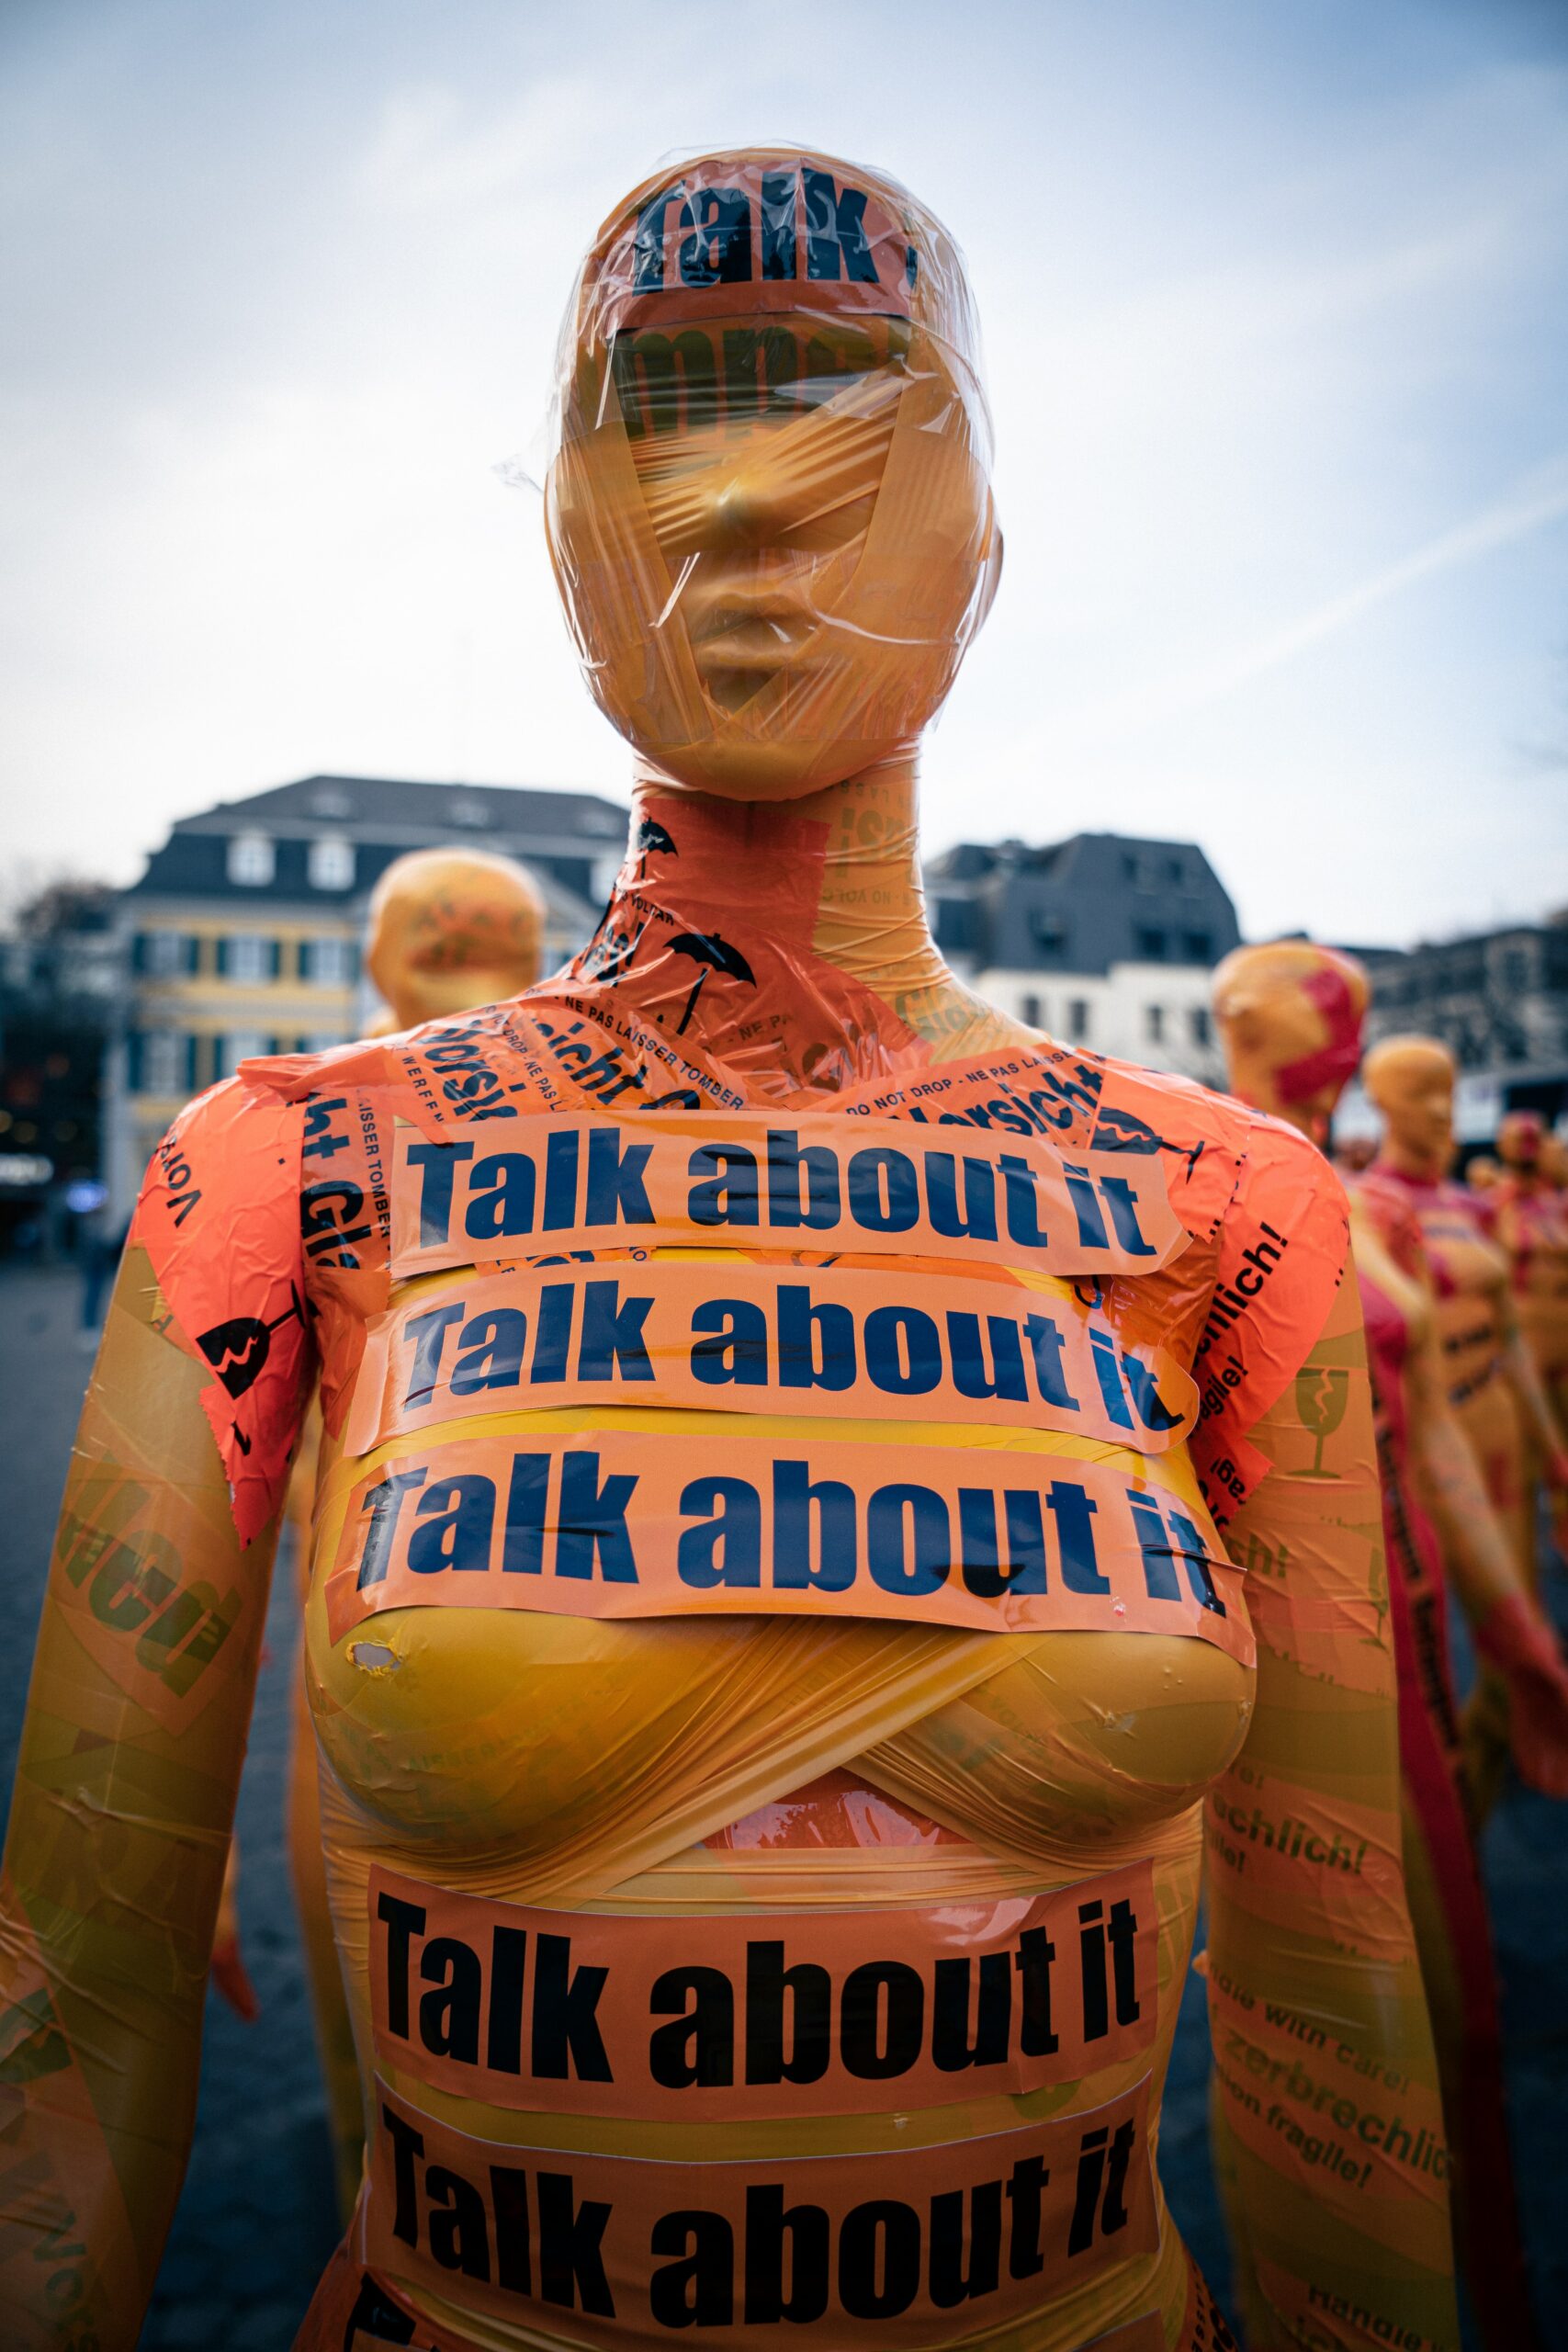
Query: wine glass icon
{"x": 1322, "y": 1395}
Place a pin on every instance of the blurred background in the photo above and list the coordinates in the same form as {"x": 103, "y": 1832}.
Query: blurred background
{"x": 1276, "y": 306}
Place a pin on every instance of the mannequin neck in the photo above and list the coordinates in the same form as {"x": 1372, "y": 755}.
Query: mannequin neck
{"x": 869, "y": 915}
{"x": 1415, "y": 1162}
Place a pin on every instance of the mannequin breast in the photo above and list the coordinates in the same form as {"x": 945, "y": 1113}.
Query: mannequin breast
{"x": 546, "y": 1742}
{"x": 1471, "y": 1284}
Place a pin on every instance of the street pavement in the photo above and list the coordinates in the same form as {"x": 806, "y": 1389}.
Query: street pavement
{"x": 255, "y": 2224}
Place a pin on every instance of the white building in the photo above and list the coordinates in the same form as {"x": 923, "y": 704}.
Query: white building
{"x": 1101, "y": 940}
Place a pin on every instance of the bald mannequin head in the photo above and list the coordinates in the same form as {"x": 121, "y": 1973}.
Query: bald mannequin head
{"x": 1289, "y": 1019}
{"x": 452, "y": 929}
{"x": 1411, "y": 1081}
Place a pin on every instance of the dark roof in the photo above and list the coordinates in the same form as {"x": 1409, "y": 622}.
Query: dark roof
{"x": 384, "y": 806}
{"x": 1080, "y": 905}
{"x": 562, "y": 835}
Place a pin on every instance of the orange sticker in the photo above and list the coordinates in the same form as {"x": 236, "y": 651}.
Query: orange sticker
{"x": 882, "y": 2248}
{"x": 139, "y": 1610}
{"x": 788, "y": 1181}
{"x": 615, "y": 1524}
{"x": 720, "y": 2019}
{"x": 1295, "y": 1853}
{"x": 1311, "y": 2107}
{"x": 67, "y": 2255}
{"x": 737, "y": 1338}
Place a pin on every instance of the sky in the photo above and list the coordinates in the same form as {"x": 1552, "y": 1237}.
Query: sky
{"x": 1276, "y": 308}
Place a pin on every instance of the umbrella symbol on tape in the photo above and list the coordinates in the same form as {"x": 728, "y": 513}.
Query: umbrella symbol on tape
{"x": 238, "y": 1348}
{"x": 715, "y": 955}
{"x": 651, "y": 836}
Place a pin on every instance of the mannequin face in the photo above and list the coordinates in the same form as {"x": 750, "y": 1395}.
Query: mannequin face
{"x": 1290, "y": 1020}
{"x": 1412, "y": 1083}
{"x": 1519, "y": 1140}
{"x": 769, "y": 512}
{"x": 451, "y": 928}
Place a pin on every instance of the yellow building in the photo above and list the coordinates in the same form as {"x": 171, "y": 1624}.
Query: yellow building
{"x": 243, "y": 937}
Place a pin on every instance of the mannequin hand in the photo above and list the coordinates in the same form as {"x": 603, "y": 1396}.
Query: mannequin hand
{"x": 1517, "y": 1638}
{"x": 228, "y": 1971}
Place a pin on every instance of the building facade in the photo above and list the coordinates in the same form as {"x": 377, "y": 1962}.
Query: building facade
{"x": 1102, "y": 939}
{"x": 1500, "y": 1002}
{"x": 242, "y": 937}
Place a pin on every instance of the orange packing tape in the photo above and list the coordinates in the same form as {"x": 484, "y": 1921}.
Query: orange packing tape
{"x": 737, "y": 1338}
{"x": 619, "y": 2251}
{"x": 616, "y": 1523}
{"x": 718, "y": 2019}
{"x": 790, "y": 1181}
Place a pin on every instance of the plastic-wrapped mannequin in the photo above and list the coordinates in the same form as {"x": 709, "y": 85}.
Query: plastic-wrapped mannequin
{"x": 1483, "y": 1173}
{"x": 1290, "y": 1017}
{"x": 448, "y": 929}
{"x": 770, "y": 1650}
{"x": 1491, "y": 1379}
{"x": 1529, "y": 1218}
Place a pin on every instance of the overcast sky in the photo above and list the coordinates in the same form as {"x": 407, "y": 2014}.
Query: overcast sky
{"x": 1275, "y": 298}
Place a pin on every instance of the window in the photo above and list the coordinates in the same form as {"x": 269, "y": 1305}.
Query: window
{"x": 467, "y": 810}
{"x": 1048, "y": 932}
{"x": 238, "y": 1045}
{"x": 252, "y": 860}
{"x": 162, "y": 954}
{"x": 331, "y": 863}
{"x": 1029, "y": 1012}
{"x": 1199, "y": 1022}
{"x": 1176, "y": 872}
{"x": 248, "y": 958}
{"x": 331, "y": 800}
{"x": 1200, "y": 946}
{"x": 1515, "y": 970}
{"x": 1078, "y": 1019}
{"x": 1154, "y": 1023}
{"x": 330, "y": 963}
{"x": 1149, "y": 942}
{"x": 163, "y": 1064}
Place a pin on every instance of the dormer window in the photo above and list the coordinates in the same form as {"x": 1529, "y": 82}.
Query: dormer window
{"x": 252, "y": 860}
{"x": 331, "y": 800}
{"x": 467, "y": 810}
{"x": 331, "y": 863}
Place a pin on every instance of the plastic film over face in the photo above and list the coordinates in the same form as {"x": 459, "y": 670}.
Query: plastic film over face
{"x": 769, "y": 501}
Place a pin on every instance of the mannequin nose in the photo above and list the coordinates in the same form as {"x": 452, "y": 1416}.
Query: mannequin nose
{"x": 745, "y": 511}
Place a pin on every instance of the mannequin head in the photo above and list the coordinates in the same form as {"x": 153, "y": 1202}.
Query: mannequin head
{"x": 1411, "y": 1081}
{"x": 1554, "y": 1159}
{"x": 1355, "y": 1155}
{"x": 769, "y": 508}
{"x": 1483, "y": 1172}
{"x": 1289, "y": 1019}
{"x": 451, "y": 928}
{"x": 1519, "y": 1139}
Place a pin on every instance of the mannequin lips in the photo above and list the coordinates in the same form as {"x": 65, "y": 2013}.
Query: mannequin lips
{"x": 744, "y": 631}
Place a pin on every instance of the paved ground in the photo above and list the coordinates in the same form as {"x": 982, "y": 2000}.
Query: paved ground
{"x": 256, "y": 2222}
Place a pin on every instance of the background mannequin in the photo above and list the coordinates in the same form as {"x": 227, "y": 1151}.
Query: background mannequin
{"x": 1528, "y": 1219}
{"x": 1267, "y": 1001}
{"x": 448, "y": 929}
{"x": 771, "y": 515}
{"x": 1492, "y": 1380}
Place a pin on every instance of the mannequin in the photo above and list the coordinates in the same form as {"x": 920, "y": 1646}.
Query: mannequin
{"x": 1493, "y": 1382}
{"x": 1483, "y": 1173}
{"x": 1266, "y": 1000}
{"x": 448, "y": 929}
{"x": 1528, "y": 1220}
{"x": 724, "y": 1749}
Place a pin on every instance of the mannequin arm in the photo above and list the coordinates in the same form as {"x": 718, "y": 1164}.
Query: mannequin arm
{"x": 130, "y": 1758}
{"x": 1326, "y": 2110}
{"x": 1539, "y": 1418}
